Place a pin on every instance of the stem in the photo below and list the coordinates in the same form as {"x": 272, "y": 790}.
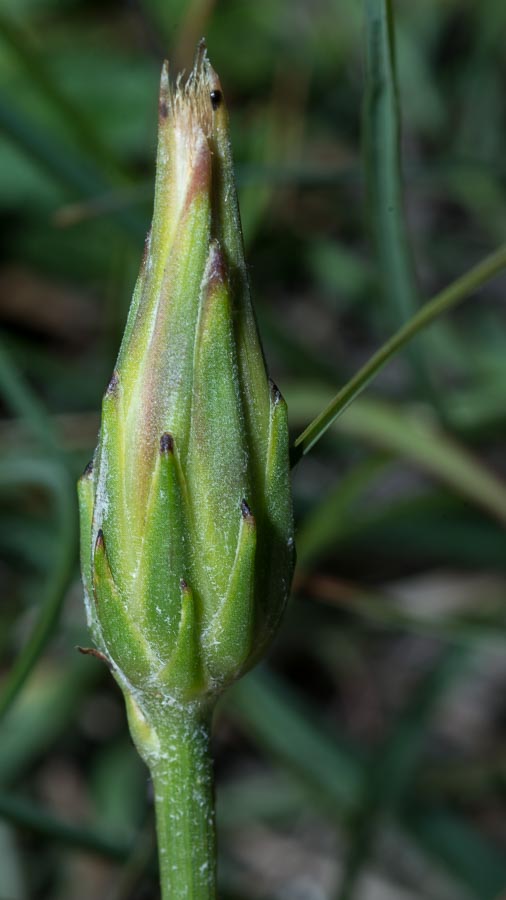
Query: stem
{"x": 183, "y": 784}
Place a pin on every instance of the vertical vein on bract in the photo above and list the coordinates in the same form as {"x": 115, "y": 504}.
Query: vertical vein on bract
{"x": 164, "y": 560}
{"x": 217, "y": 468}
{"x": 229, "y": 639}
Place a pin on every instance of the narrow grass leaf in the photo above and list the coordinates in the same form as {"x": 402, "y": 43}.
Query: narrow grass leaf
{"x": 330, "y": 519}
{"x": 382, "y": 156}
{"x": 277, "y": 718}
{"x": 41, "y": 79}
{"x": 54, "y": 479}
{"x": 21, "y": 401}
{"x": 390, "y": 773}
{"x": 44, "y": 711}
{"x": 461, "y": 850}
{"x": 29, "y": 816}
{"x": 62, "y": 163}
{"x": 280, "y": 722}
{"x": 383, "y": 612}
{"x": 450, "y": 296}
{"x": 414, "y": 438}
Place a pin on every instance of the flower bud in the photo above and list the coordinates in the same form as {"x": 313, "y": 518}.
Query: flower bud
{"x": 186, "y": 519}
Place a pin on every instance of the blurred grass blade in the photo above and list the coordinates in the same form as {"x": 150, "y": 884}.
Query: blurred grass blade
{"x": 94, "y": 207}
{"x": 280, "y": 722}
{"x": 293, "y": 351}
{"x": 380, "y": 611}
{"x": 141, "y": 859}
{"x": 264, "y": 796}
{"x": 414, "y": 438}
{"x": 276, "y": 718}
{"x": 390, "y": 773}
{"x": 41, "y": 79}
{"x": 450, "y": 296}
{"x": 29, "y": 816}
{"x": 259, "y": 797}
{"x": 55, "y": 480}
{"x": 62, "y": 163}
{"x": 45, "y": 711}
{"x": 382, "y": 136}
{"x": 420, "y": 441}
{"x": 14, "y": 873}
{"x": 479, "y": 865}
{"x": 276, "y": 145}
{"x": 192, "y": 24}
{"x": 21, "y": 401}
{"x": 67, "y": 168}
{"x": 329, "y": 520}
{"x": 383, "y": 159}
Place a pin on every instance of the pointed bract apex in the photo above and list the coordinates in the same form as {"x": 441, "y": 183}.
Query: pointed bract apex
{"x": 166, "y": 443}
{"x": 100, "y": 543}
{"x": 88, "y": 470}
{"x": 246, "y": 511}
{"x": 91, "y": 651}
{"x": 145, "y": 252}
{"x": 184, "y": 586}
{"x": 275, "y": 392}
{"x": 200, "y": 54}
{"x": 216, "y": 270}
{"x": 112, "y": 387}
{"x": 164, "y": 96}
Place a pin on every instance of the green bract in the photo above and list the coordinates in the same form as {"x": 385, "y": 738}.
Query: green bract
{"x": 187, "y": 544}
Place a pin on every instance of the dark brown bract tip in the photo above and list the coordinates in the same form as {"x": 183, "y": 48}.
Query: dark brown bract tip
{"x": 112, "y": 387}
{"x": 88, "y": 469}
{"x": 184, "y": 586}
{"x": 90, "y": 651}
{"x": 275, "y": 392}
{"x": 166, "y": 443}
{"x": 245, "y": 510}
{"x": 147, "y": 242}
{"x": 100, "y": 543}
{"x": 215, "y": 273}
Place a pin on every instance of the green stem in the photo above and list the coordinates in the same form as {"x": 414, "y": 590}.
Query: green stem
{"x": 442, "y": 302}
{"x": 185, "y": 820}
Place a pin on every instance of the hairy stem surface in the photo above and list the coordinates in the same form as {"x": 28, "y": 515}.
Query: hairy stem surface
{"x": 185, "y": 820}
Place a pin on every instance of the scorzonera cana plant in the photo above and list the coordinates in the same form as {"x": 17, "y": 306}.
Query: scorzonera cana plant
{"x": 186, "y": 517}
{"x": 187, "y": 542}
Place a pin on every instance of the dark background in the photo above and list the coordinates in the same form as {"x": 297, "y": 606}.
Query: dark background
{"x": 367, "y": 758}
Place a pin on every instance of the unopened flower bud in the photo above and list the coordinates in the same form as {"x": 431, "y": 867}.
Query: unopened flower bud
{"x": 187, "y": 544}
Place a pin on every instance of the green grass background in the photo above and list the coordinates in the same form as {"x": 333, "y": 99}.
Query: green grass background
{"x": 367, "y": 758}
